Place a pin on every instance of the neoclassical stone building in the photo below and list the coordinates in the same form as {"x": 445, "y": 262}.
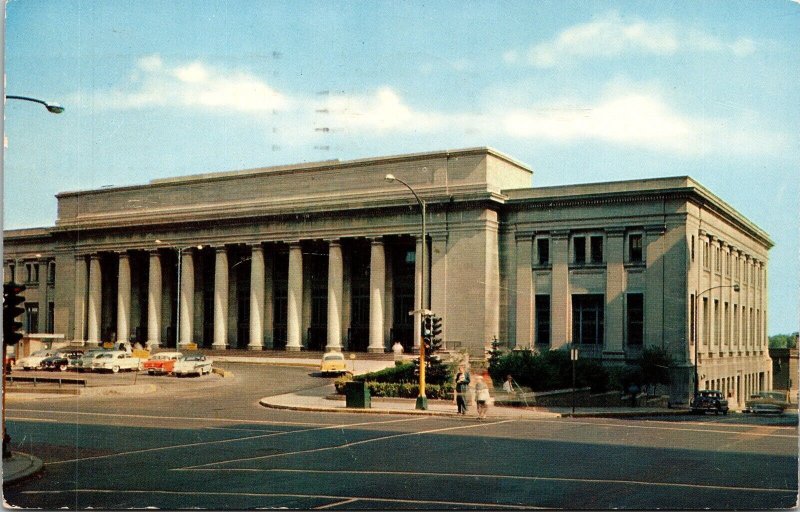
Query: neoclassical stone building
{"x": 325, "y": 256}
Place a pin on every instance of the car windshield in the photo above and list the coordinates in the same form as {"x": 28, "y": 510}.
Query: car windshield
{"x": 333, "y": 357}
{"x": 193, "y": 358}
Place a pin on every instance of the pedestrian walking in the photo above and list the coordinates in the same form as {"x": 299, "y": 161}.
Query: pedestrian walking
{"x": 461, "y": 387}
{"x": 482, "y": 397}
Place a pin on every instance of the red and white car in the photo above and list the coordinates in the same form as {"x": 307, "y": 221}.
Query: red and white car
{"x": 161, "y": 363}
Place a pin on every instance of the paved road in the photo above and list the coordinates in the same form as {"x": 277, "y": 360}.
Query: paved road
{"x": 206, "y": 443}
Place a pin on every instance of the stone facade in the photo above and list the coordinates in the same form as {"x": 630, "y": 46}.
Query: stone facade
{"x": 325, "y": 256}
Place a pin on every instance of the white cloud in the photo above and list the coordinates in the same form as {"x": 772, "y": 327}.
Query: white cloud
{"x": 195, "y": 85}
{"x": 613, "y": 36}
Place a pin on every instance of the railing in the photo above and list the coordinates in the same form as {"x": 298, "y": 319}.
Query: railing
{"x": 46, "y": 380}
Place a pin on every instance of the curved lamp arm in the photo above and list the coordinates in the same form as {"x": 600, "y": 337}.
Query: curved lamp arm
{"x": 54, "y": 108}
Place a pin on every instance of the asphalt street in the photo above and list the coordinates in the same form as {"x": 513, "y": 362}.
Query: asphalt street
{"x": 206, "y": 443}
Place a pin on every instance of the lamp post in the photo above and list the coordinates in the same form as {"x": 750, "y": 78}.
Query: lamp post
{"x": 53, "y": 108}
{"x": 422, "y": 399}
{"x": 573, "y": 356}
{"x": 697, "y": 334}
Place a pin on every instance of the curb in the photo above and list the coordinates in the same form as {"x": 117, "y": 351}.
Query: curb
{"x": 33, "y": 467}
{"x": 412, "y": 412}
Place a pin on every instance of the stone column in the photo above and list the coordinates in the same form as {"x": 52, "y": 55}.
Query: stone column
{"x": 220, "y": 299}
{"x": 560, "y": 303}
{"x": 335, "y": 288}
{"x": 655, "y": 252}
{"x": 186, "y": 314}
{"x": 124, "y": 298}
{"x": 377, "y": 291}
{"x": 79, "y": 326}
{"x": 418, "y": 300}
{"x": 269, "y": 297}
{"x": 256, "y": 298}
{"x": 524, "y": 291}
{"x": 95, "y": 299}
{"x": 294, "y": 302}
{"x": 154, "y": 290}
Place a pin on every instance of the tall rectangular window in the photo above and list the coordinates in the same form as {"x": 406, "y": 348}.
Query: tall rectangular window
{"x": 51, "y": 272}
{"x": 31, "y": 323}
{"x": 635, "y": 318}
{"x": 36, "y": 273}
{"x": 635, "y": 248}
{"x": 543, "y": 250}
{"x": 706, "y": 254}
{"x": 717, "y": 260}
{"x": 596, "y": 243}
{"x": 51, "y": 309}
{"x": 726, "y": 319}
{"x": 579, "y": 243}
{"x": 543, "y": 320}
{"x": 716, "y": 322}
{"x": 587, "y": 319}
{"x": 706, "y": 321}
{"x": 692, "y": 320}
{"x": 736, "y": 324}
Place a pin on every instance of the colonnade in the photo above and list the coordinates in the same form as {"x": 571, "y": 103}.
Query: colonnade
{"x": 89, "y": 299}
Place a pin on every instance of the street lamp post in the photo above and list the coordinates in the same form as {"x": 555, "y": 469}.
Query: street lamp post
{"x": 697, "y": 334}
{"x": 54, "y": 108}
{"x": 573, "y": 356}
{"x": 422, "y": 399}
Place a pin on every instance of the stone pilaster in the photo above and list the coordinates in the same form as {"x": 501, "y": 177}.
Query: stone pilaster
{"x": 615, "y": 294}
{"x": 438, "y": 279}
{"x": 561, "y": 303}
{"x": 524, "y": 290}
{"x": 377, "y": 291}
{"x": 418, "y": 299}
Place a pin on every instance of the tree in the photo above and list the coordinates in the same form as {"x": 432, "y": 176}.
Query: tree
{"x": 655, "y": 363}
{"x": 783, "y": 341}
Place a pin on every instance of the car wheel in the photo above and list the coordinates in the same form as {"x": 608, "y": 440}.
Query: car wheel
{"x": 115, "y": 369}
{"x": 62, "y": 367}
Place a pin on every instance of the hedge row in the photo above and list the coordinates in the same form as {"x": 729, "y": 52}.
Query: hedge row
{"x": 402, "y": 389}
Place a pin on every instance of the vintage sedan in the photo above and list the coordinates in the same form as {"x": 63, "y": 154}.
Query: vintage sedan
{"x": 767, "y": 401}
{"x": 709, "y": 400}
{"x": 114, "y": 361}
{"x": 333, "y": 363}
{"x": 34, "y": 361}
{"x": 163, "y": 362}
{"x": 192, "y": 364}
{"x": 62, "y": 360}
{"x": 84, "y": 364}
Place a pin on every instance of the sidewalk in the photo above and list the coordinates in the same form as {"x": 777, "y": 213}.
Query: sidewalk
{"x": 322, "y": 402}
{"x": 20, "y": 466}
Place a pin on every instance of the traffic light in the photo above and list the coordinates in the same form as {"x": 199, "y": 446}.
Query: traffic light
{"x": 12, "y": 298}
{"x": 427, "y": 330}
{"x": 436, "y": 326}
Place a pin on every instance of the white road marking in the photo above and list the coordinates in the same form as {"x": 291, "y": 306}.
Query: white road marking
{"x": 345, "y": 445}
{"x": 501, "y": 477}
{"x": 335, "y": 504}
{"x": 162, "y": 417}
{"x": 755, "y": 432}
{"x": 223, "y": 441}
{"x": 291, "y": 495}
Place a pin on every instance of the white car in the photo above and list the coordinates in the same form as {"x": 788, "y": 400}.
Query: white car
{"x": 34, "y": 361}
{"x": 84, "y": 364}
{"x": 192, "y": 364}
{"x": 115, "y": 360}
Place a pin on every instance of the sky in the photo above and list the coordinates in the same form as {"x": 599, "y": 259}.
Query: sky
{"x": 583, "y": 91}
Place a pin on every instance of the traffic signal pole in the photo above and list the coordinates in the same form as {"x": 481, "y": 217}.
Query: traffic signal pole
{"x": 12, "y": 298}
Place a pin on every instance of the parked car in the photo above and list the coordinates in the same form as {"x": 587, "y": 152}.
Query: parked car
{"x": 709, "y": 400}
{"x": 62, "y": 360}
{"x": 163, "y": 362}
{"x": 192, "y": 364}
{"x": 84, "y": 364}
{"x": 114, "y": 361}
{"x": 34, "y": 361}
{"x": 767, "y": 401}
{"x": 333, "y": 363}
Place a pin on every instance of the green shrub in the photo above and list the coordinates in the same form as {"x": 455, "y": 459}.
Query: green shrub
{"x": 548, "y": 370}
{"x": 400, "y": 389}
{"x": 402, "y": 372}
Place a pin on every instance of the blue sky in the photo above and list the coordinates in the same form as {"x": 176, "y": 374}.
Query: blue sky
{"x": 580, "y": 91}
